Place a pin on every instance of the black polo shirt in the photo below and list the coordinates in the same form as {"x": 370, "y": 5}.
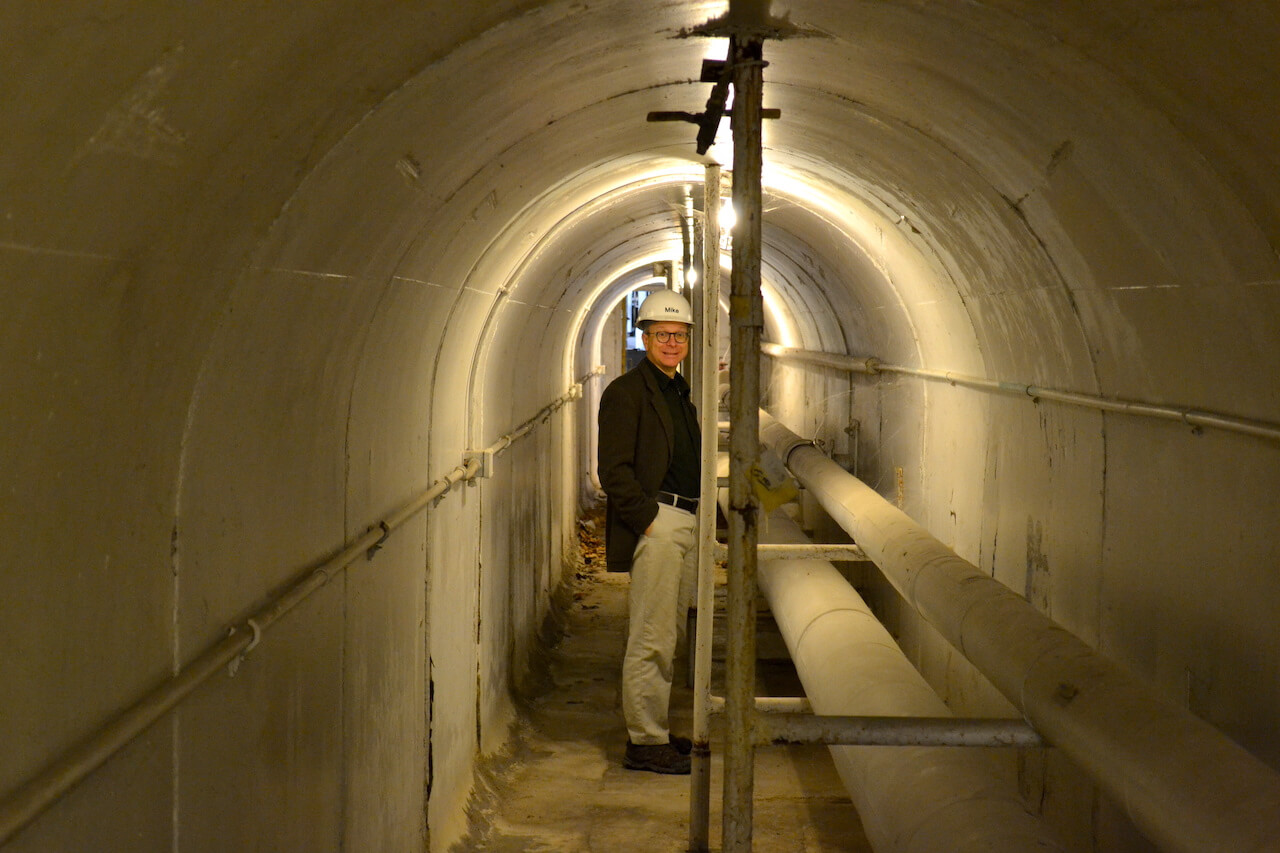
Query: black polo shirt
{"x": 684, "y": 473}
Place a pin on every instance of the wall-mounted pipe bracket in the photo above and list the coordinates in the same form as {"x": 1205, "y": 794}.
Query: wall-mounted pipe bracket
{"x": 484, "y": 458}
{"x": 233, "y": 666}
{"x": 373, "y": 549}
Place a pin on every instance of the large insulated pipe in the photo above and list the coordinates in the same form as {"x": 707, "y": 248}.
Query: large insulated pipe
{"x": 1186, "y": 785}
{"x": 910, "y": 798}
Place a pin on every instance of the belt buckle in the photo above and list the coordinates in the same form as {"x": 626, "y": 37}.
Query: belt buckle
{"x": 678, "y": 501}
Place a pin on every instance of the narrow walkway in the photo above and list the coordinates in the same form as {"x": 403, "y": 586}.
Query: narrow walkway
{"x": 564, "y": 788}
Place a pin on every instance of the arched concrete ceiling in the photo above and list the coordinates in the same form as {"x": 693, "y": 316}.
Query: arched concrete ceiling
{"x": 1007, "y": 183}
{"x": 1010, "y": 166}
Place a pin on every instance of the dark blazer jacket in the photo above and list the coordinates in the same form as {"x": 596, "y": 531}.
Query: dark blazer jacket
{"x": 636, "y": 441}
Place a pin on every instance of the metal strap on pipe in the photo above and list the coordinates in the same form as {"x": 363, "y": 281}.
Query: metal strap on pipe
{"x": 1185, "y": 784}
{"x": 1192, "y": 417}
{"x": 30, "y": 800}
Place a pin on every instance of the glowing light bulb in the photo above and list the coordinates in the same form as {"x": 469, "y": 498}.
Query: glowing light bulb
{"x": 728, "y": 216}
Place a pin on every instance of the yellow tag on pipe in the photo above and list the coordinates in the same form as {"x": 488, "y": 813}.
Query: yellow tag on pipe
{"x": 771, "y": 493}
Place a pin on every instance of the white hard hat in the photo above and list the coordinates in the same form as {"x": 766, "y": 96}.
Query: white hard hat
{"x": 664, "y": 305}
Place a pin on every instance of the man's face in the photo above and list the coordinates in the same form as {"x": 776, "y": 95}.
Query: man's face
{"x": 666, "y": 355}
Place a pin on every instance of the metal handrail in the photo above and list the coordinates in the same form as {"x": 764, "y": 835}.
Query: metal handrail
{"x": 30, "y": 800}
{"x": 1195, "y": 418}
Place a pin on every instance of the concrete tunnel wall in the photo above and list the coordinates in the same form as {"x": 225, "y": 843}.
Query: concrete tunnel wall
{"x": 270, "y": 270}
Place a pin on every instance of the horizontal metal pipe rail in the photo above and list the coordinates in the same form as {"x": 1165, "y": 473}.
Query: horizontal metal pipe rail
{"x": 872, "y": 366}
{"x": 39, "y": 793}
{"x": 791, "y": 719}
{"x": 769, "y": 704}
{"x": 776, "y": 551}
{"x": 1185, "y": 784}
{"x": 894, "y": 731}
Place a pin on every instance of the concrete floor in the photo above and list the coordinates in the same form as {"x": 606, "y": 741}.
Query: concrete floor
{"x": 562, "y": 786}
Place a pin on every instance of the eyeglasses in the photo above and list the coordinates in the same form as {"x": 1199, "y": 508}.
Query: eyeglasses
{"x": 663, "y": 337}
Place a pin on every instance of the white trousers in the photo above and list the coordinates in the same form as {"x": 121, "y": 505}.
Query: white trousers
{"x": 664, "y": 573}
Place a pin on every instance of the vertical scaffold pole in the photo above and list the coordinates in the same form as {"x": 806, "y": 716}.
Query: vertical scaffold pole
{"x": 708, "y": 403}
{"x": 746, "y": 318}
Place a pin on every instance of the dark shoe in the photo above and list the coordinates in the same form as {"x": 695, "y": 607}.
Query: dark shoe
{"x": 658, "y": 758}
{"x": 682, "y": 745}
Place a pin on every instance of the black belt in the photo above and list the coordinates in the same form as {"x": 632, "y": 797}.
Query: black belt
{"x": 678, "y": 501}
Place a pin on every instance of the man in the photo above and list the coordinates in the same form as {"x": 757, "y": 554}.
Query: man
{"x": 649, "y": 465}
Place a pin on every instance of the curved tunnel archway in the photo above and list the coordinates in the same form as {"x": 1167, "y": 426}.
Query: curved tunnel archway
{"x": 273, "y": 270}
